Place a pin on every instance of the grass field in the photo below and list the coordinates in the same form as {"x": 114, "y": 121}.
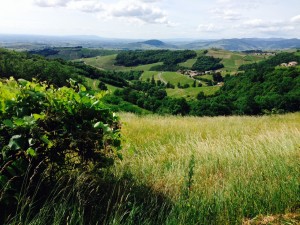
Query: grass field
{"x": 93, "y": 84}
{"x": 148, "y": 75}
{"x": 191, "y": 93}
{"x": 232, "y": 60}
{"x": 216, "y": 170}
{"x": 174, "y": 78}
{"x": 107, "y": 63}
{"x": 185, "y": 170}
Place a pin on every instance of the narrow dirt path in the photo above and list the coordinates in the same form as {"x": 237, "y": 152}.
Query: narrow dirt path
{"x": 160, "y": 78}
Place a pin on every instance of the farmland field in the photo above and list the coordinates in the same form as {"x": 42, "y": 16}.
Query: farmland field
{"x": 174, "y": 78}
{"x": 191, "y": 92}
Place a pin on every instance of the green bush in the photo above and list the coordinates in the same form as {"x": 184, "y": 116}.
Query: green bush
{"x": 54, "y": 130}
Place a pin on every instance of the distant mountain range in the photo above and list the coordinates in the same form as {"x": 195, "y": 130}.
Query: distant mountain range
{"x": 234, "y": 44}
{"x": 245, "y": 44}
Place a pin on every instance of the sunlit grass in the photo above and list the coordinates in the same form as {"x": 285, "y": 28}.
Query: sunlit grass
{"x": 244, "y": 166}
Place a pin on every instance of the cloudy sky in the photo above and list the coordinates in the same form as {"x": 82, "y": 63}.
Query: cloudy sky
{"x": 202, "y": 19}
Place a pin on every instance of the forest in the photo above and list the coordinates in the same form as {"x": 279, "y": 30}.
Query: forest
{"x": 168, "y": 57}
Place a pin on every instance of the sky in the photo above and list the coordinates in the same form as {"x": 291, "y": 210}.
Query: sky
{"x": 148, "y": 19}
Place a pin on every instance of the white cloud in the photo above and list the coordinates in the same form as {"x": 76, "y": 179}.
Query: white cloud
{"x": 226, "y": 14}
{"x": 51, "y": 3}
{"x": 139, "y": 11}
{"x": 135, "y": 10}
{"x": 150, "y": 0}
{"x": 87, "y": 6}
{"x": 208, "y": 28}
{"x": 296, "y": 19}
{"x": 268, "y": 26}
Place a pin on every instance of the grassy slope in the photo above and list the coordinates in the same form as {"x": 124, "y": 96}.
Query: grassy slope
{"x": 107, "y": 63}
{"x": 244, "y": 166}
{"x": 189, "y": 63}
{"x": 191, "y": 93}
{"x": 232, "y": 60}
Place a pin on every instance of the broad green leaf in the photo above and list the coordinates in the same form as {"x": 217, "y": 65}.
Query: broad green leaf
{"x": 29, "y": 120}
{"x": 95, "y": 103}
{"x": 8, "y": 123}
{"x": 31, "y": 152}
{"x": 45, "y": 139}
{"x": 98, "y": 125}
{"x": 39, "y": 116}
{"x": 19, "y": 122}
{"x": 82, "y": 88}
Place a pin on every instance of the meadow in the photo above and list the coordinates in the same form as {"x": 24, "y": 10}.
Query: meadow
{"x": 233, "y": 60}
{"x": 219, "y": 170}
{"x": 185, "y": 170}
{"x": 191, "y": 92}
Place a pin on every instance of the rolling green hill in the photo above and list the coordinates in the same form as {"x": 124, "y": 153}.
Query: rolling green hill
{"x": 231, "y": 61}
{"x": 108, "y": 63}
{"x": 71, "y": 53}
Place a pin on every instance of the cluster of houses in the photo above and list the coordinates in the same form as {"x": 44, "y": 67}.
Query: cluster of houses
{"x": 290, "y": 64}
{"x": 193, "y": 73}
{"x": 264, "y": 53}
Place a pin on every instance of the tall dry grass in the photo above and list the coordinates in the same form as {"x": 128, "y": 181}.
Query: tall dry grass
{"x": 244, "y": 166}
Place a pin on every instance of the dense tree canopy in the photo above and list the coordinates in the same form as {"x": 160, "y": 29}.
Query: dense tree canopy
{"x": 205, "y": 63}
{"x": 262, "y": 88}
{"x": 134, "y": 58}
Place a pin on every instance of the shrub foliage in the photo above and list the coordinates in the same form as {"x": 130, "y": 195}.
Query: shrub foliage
{"x": 55, "y": 129}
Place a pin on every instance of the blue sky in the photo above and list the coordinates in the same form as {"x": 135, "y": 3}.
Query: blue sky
{"x": 200, "y": 19}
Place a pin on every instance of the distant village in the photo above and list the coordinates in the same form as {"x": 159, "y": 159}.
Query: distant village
{"x": 290, "y": 64}
{"x": 194, "y": 73}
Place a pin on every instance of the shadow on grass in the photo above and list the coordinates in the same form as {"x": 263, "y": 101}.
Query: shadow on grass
{"x": 89, "y": 199}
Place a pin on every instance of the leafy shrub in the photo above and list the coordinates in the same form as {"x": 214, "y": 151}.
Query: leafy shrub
{"x": 55, "y": 129}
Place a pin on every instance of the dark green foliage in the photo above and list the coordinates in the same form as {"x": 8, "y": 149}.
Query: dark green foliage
{"x": 200, "y": 95}
{"x": 263, "y": 88}
{"x": 270, "y": 63}
{"x": 117, "y": 104}
{"x": 165, "y": 67}
{"x": 217, "y": 77}
{"x": 134, "y": 58}
{"x": 25, "y": 66}
{"x": 114, "y": 78}
{"x": 205, "y": 63}
{"x": 102, "y": 86}
{"x": 71, "y": 53}
{"x": 194, "y": 83}
{"x": 169, "y": 85}
{"x": 54, "y": 130}
{"x": 57, "y": 72}
{"x": 153, "y": 97}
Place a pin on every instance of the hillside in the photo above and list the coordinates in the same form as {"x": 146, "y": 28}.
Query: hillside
{"x": 71, "y": 53}
{"x": 150, "y": 44}
{"x": 32, "y": 42}
{"x": 263, "y": 87}
{"x": 245, "y": 44}
{"x": 231, "y": 60}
